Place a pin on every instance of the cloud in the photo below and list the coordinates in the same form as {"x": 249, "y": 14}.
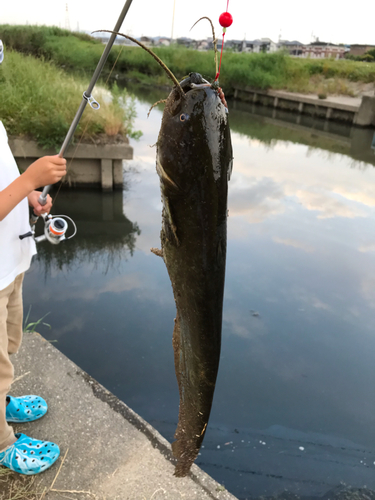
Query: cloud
{"x": 77, "y": 324}
{"x": 310, "y": 299}
{"x": 247, "y": 327}
{"x": 367, "y": 199}
{"x": 327, "y": 205}
{"x": 368, "y": 290}
{"x": 293, "y": 243}
{"x": 256, "y": 199}
{"x": 369, "y": 247}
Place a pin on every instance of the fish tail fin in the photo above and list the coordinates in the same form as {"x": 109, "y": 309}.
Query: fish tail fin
{"x": 185, "y": 457}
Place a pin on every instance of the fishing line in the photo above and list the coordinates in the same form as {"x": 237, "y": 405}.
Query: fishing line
{"x": 83, "y": 133}
{"x": 86, "y": 99}
{"x": 225, "y": 21}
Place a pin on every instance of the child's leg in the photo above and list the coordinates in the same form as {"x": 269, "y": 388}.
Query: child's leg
{"x": 15, "y": 316}
{"x": 10, "y": 310}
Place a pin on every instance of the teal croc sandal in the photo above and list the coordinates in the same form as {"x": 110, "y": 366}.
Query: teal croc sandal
{"x": 25, "y": 409}
{"x": 29, "y": 456}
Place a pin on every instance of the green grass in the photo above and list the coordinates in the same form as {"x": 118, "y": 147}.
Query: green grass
{"x": 30, "y": 327}
{"x": 40, "y": 101}
{"x": 279, "y": 71}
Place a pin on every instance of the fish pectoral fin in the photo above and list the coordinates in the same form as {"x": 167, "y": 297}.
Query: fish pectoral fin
{"x": 230, "y": 169}
{"x": 164, "y": 176}
{"x": 157, "y": 252}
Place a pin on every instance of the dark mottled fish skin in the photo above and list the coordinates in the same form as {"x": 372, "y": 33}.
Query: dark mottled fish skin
{"x": 194, "y": 161}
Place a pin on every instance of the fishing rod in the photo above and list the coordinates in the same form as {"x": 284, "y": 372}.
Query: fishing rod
{"x": 56, "y": 227}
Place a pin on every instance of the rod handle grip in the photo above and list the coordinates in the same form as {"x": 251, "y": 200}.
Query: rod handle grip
{"x": 42, "y": 200}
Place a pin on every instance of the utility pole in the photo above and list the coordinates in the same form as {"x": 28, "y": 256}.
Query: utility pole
{"x": 67, "y": 20}
{"x": 174, "y": 8}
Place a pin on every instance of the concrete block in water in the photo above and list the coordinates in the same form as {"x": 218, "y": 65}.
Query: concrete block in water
{"x": 366, "y": 113}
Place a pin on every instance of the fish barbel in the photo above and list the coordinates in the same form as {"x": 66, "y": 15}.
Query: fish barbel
{"x": 194, "y": 162}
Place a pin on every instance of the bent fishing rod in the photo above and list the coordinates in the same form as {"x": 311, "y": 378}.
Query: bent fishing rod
{"x": 56, "y": 227}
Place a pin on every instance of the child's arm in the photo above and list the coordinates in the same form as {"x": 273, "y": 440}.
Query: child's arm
{"x": 43, "y": 172}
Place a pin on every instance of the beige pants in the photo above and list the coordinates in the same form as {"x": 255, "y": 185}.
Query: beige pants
{"x": 11, "y": 317}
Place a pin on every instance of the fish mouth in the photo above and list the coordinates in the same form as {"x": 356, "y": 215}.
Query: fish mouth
{"x": 194, "y": 81}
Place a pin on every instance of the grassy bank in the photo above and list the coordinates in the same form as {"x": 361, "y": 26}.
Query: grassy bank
{"x": 39, "y": 100}
{"x": 277, "y": 71}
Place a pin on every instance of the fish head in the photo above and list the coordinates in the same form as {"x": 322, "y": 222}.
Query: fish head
{"x": 194, "y": 138}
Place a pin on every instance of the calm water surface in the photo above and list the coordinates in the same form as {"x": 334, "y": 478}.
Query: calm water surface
{"x": 294, "y": 407}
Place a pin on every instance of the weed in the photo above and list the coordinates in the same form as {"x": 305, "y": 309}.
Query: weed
{"x": 31, "y": 327}
{"x": 277, "y": 70}
{"x": 39, "y": 100}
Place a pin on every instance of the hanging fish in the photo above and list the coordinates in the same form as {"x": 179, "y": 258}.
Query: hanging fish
{"x": 194, "y": 163}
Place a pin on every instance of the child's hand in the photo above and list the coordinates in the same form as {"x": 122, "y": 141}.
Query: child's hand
{"x": 45, "y": 171}
{"x": 37, "y": 207}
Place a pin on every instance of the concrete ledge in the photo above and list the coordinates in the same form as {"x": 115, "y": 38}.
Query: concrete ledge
{"x": 94, "y": 165}
{"x": 325, "y": 103}
{"x": 337, "y": 108}
{"x": 111, "y": 451}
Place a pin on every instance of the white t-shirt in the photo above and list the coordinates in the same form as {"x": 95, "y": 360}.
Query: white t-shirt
{"x": 15, "y": 254}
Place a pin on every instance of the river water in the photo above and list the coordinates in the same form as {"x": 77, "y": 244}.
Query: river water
{"x": 294, "y": 407}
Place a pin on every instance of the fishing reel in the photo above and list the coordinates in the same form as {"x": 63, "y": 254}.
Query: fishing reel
{"x": 55, "y": 227}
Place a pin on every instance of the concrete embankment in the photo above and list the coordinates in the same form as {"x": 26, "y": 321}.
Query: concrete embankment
{"x": 95, "y": 165}
{"x": 356, "y": 111}
{"x": 110, "y": 451}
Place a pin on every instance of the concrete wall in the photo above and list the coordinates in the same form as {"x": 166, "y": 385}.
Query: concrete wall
{"x": 88, "y": 164}
{"x": 359, "y": 50}
{"x": 361, "y": 114}
{"x": 366, "y": 113}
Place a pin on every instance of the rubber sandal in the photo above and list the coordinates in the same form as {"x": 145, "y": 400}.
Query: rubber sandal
{"x": 29, "y": 456}
{"x": 25, "y": 409}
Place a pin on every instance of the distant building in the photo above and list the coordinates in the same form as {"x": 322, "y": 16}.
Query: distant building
{"x": 147, "y": 41}
{"x": 359, "y": 50}
{"x": 205, "y": 44}
{"x": 164, "y": 41}
{"x": 235, "y": 45}
{"x": 160, "y": 41}
{"x": 268, "y": 45}
{"x": 293, "y": 48}
{"x": 265, "y": 45}
{"x": 188, "y": 42}
{"x": 324, "y": 50}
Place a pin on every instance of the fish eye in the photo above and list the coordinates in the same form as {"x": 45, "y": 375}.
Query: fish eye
{"x": 183, "y": 117}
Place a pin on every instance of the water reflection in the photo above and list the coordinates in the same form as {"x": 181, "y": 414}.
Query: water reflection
{"x": 294, "y": 407}
{"x": 104, "y": 234}
{"x": 270, "y": 125}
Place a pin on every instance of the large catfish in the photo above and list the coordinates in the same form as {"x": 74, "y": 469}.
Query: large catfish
{"x": 194, "y": 162}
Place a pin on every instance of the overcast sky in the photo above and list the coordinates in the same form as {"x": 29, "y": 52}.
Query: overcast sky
{"x": 331, "y": 21}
